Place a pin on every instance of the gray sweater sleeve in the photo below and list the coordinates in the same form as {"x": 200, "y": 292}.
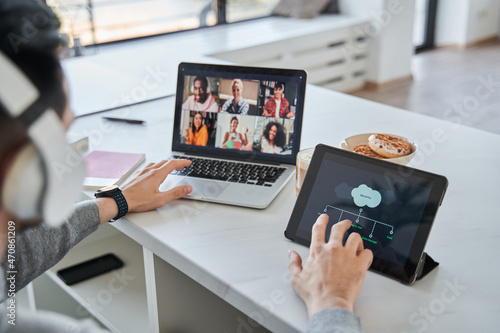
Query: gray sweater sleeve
{"x": 334, "y": 320}
{"x": 41, "y": 247}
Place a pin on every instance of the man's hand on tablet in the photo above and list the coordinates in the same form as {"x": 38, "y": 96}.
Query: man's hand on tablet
{"x": 333, "y": 274}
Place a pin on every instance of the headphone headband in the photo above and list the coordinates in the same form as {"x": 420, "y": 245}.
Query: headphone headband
{"x": 17, "y": 92}
{"x": 64, "y": 168}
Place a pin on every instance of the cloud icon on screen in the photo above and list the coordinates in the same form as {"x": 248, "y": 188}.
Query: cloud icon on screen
{"x": 365, "y": 196}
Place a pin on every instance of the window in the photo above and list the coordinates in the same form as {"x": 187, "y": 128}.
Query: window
{"x": 102, "y": 21}
{"x": 241, "y": 10}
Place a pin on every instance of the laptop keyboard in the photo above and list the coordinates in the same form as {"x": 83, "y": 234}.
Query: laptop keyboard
{"x": 244, "y": 173}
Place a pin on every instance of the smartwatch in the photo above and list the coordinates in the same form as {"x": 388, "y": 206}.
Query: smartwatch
{"x": 114, "y": 192}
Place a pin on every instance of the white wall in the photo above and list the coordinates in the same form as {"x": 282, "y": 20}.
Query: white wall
{"x": 464, "y": 22}
{"x": 451, "y": 22}
{"x": 483, "y": 20}
{"x": 396, "y": 43}
{"x": 391, "y": 32}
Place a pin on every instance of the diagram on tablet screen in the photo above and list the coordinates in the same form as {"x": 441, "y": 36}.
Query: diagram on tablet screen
{"x": 344, "y": 215}
{"x": 362, "y": 196}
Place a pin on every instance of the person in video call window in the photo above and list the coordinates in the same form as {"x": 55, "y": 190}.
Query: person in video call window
{"x": 278, "y": 106}
{"x": 236, "y": 104}
{"x": 274, "y": 138}
{"x": 197, "y": 135}
{"x": 201, "y": 99}
{"x": 233, "y": 139}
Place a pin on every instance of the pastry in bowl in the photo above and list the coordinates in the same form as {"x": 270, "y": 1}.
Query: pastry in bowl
{"x": 389, "y": 146}
{"x": 392, "y": 145}
{"x": 366, "y": 150}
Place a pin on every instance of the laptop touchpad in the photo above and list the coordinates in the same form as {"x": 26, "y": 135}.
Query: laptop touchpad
{"x": 203, "y": 188}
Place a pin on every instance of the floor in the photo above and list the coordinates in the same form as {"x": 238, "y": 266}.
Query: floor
{"x": 456, "y": 85}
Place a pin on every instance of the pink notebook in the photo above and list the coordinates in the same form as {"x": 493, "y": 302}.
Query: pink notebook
{"x": 106, "y": 168}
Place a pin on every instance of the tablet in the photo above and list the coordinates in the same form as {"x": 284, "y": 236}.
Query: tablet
{"x": 391, "y": 206}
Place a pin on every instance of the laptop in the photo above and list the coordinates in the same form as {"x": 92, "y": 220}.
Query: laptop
{"x": 241, "y": 128}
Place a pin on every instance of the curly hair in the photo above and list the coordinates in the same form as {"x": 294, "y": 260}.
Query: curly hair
{"x": 280, "y": 138}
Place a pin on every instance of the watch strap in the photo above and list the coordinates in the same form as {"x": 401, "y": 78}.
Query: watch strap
{"x": 120, "y": 201}
{"x": 122, "y": 205}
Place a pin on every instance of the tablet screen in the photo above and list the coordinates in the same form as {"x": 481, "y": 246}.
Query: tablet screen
{"x": 386, "y": 204}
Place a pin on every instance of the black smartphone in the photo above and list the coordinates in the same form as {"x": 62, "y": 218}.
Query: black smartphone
{"x": 89, "y": 269}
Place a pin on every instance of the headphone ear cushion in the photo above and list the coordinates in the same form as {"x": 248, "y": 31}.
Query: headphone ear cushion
{"x": 24, "y": 183}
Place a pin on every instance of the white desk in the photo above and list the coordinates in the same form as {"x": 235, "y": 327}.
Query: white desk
{"x": 240, "y": 254}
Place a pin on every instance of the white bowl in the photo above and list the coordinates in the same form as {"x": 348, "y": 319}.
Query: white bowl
{"x": 362, "y": 139}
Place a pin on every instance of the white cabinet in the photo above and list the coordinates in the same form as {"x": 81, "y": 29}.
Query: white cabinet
{"x": 335, "y": 58}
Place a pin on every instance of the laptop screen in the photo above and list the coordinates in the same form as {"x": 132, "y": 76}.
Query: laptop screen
{"x": 246, "y": 113}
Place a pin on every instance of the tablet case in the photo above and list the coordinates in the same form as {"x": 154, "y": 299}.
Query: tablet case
{"x": 428, "y": 265}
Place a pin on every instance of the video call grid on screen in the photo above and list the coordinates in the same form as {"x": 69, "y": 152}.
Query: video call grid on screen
{"x": 207, "y": 116}
{"x": 385, "y": 210}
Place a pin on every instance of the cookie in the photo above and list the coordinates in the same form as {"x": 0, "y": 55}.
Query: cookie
{"x": 389, "y": 146}
{"x": 365, "y": 150}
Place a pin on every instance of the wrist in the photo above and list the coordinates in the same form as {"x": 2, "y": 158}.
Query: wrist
{"x": 108, "y": 209}
{"x": 131, "y": 203}
{"x": 331, "y": 302}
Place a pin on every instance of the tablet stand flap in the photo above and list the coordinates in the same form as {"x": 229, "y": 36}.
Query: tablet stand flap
{"x": 429, "y": 265}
